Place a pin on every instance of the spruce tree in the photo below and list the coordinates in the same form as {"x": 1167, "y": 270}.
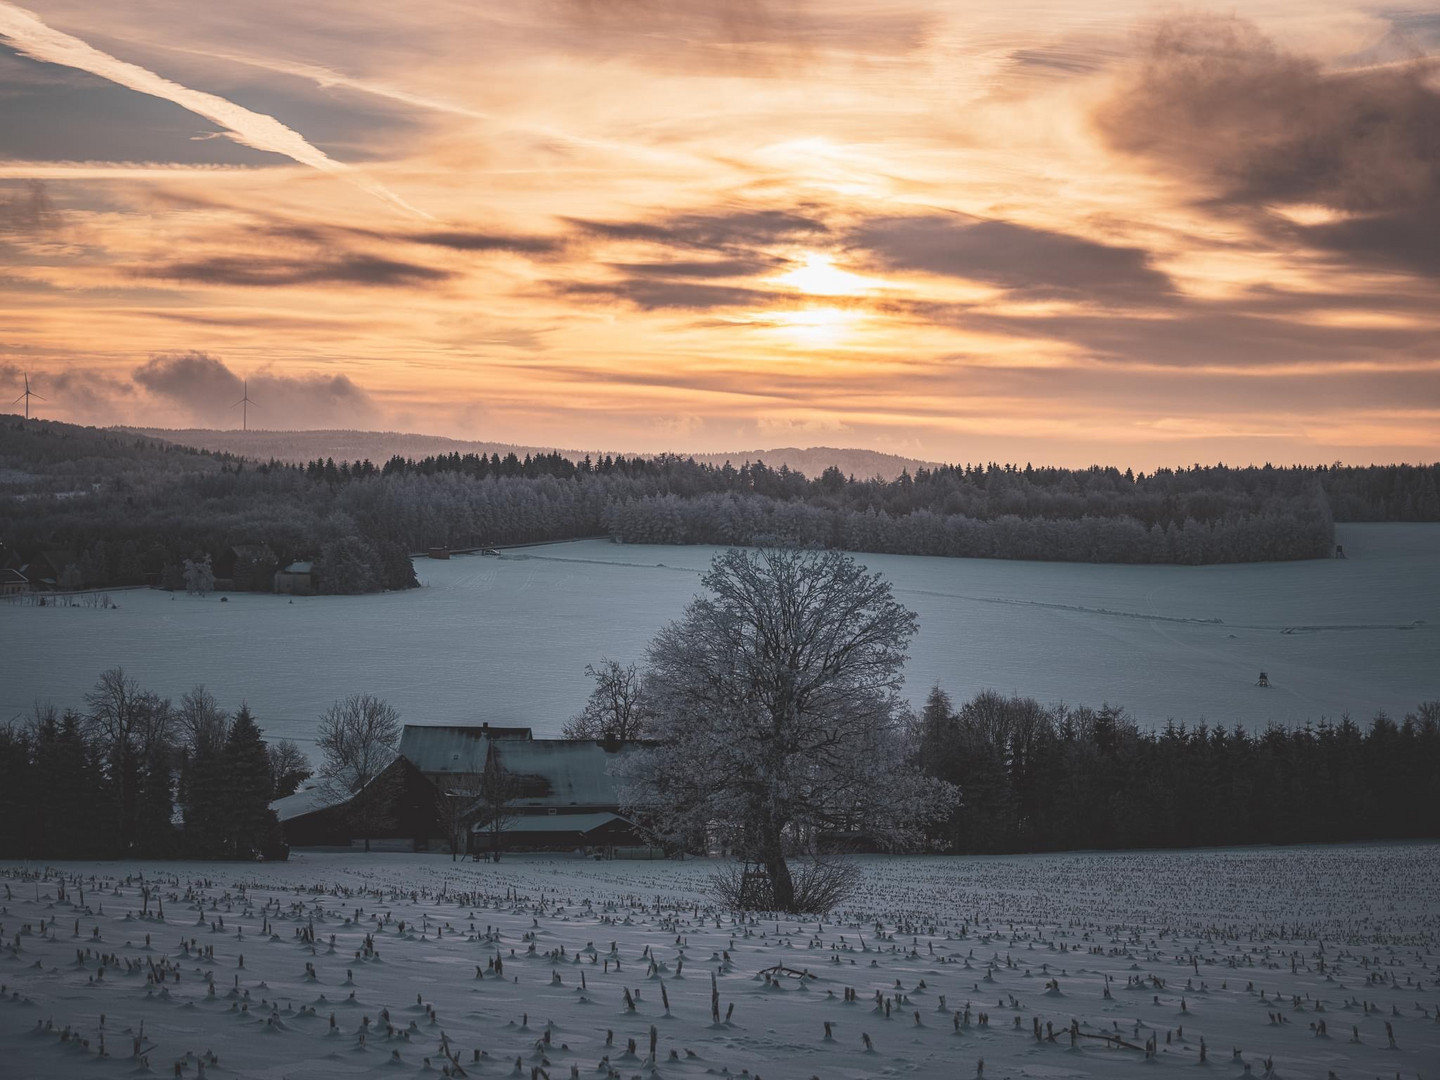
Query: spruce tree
{"x": 247, "y": 814}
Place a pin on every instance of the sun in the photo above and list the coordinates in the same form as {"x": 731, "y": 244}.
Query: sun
{"x": 817, "y": 275}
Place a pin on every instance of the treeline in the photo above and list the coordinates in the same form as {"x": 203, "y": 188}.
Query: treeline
{"x": 1298, "y": 527}
{"x": 133, "y": 775}
{"x": 357, "y": 521}
{"x": 1036, "y": 778}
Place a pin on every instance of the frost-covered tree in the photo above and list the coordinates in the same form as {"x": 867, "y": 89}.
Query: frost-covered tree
{"x": 358, "y": 737}
{"x": 777, "y": 710}
{"x": 617, "y": 707}
{"x": 199, "y": 577}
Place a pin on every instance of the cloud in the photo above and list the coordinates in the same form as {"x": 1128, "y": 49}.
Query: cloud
{"x": 192, "y": 378}
{"x": 719, "y": 230}
{"x": 1018, "y": 257}
{"x": 733, "y": 238}
{"x": 650, "y": 295}
{"x": 463, "y": 240}
{"x": 1215, "y": 336}
{"x": 743, "y": 33}
{"x": 24, "y": 31}
{"x": 205, "y": 390}
{"x": 257, "y": 270}
{"x": 1220, "y": 105}
{"x": 695, "y": 268}
{"x": 27, "y": 211}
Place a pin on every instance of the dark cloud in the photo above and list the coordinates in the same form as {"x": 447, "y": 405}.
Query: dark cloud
{"x": 1061, "y": 60}
{"x": 720, "y": 230}
{"x": 206, "y": 390}
{"x": 733, "y": 238}
{"x": 650, "y": 294}
{"x": 190, "y": 377}
{"x": 1206, "y": 335}
{"x": 272, "y": 271}
{"x": 321, "y": 237}
{"x": 1220, "y": 104}
{"x": 463, "y": 240}
{"x": 1033, "y": 261}
{"x": 694, "y": 268}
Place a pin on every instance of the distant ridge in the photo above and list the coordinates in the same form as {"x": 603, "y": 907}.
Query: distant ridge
{"x": 378, "y": 446}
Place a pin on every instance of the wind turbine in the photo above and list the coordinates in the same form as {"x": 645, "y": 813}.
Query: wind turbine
{"x": 245, "y": 404}
{"x": 26, "y": 396}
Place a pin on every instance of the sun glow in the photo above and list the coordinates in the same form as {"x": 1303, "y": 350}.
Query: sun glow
{"x": 815, "y": 327}
{"x": 818, "y": 275}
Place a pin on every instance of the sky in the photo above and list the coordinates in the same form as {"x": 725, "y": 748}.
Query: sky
{"x": 1041, "y": 230}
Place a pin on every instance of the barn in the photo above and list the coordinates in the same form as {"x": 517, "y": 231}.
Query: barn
{"x": 563, "y": 796}
{"x": 297, "y": 579}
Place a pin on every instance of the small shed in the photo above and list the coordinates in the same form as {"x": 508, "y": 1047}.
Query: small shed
{"x": 297, "y": 579}
{"x": 439, "y": 553}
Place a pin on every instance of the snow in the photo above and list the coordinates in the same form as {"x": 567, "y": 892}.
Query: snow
{"x": 312, "y": 795}
{"x": 1241, "y": 949}
{"x": 507, "y": 640}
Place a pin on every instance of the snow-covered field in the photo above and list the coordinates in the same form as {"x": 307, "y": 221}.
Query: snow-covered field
{"x": 1240, "y": 955}
{"x": 507, "y": 640}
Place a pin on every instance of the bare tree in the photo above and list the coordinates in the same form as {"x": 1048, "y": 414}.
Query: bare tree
{"x": 495, "y": 809}
{"x": 289, "y": 767}
{"x": 358, "y": 738}
{"x": 455, "y": 806}
{"x": 201, "y": 723}
{"x": 777, "y": 710}
{"x": 133, "y": 730}
{"x": 617, "y": 707}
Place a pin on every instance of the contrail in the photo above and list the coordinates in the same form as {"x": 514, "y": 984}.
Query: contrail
{"x": 24, "y": 32}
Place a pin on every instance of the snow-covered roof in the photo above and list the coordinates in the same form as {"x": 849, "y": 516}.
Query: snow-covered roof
{"x": 299, "y": 568}
{"x": 454, "y": 748}
{"x": 312, "y": 795}
{"x": 562, "y": 772}
{"x": 579, "y": 824}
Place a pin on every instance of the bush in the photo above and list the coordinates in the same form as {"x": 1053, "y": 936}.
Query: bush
{"x": 820, "y": 886}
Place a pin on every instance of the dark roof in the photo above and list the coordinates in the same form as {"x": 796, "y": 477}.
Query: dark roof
{"x": 561, "y": 824}
{"x": 563, "y": 772}
{"x": 257, "y": 552}
{"x": 453, "y": 748}
{"x": 58, "y": 558}
{"x": 13, "y": 577}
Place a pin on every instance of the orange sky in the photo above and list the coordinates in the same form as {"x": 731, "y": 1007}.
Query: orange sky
{"x": 957, "y": 231}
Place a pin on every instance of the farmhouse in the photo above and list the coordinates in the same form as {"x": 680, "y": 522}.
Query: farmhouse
{"x": 40, "y": 572}
{"x": 560, "y": 795}
{"x": 12, "y": 582}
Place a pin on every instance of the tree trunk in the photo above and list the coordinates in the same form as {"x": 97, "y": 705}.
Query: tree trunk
{"x": 782, "y": 885}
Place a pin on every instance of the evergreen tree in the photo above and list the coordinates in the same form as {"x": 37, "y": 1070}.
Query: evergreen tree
{"x": 248, "y": 818}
